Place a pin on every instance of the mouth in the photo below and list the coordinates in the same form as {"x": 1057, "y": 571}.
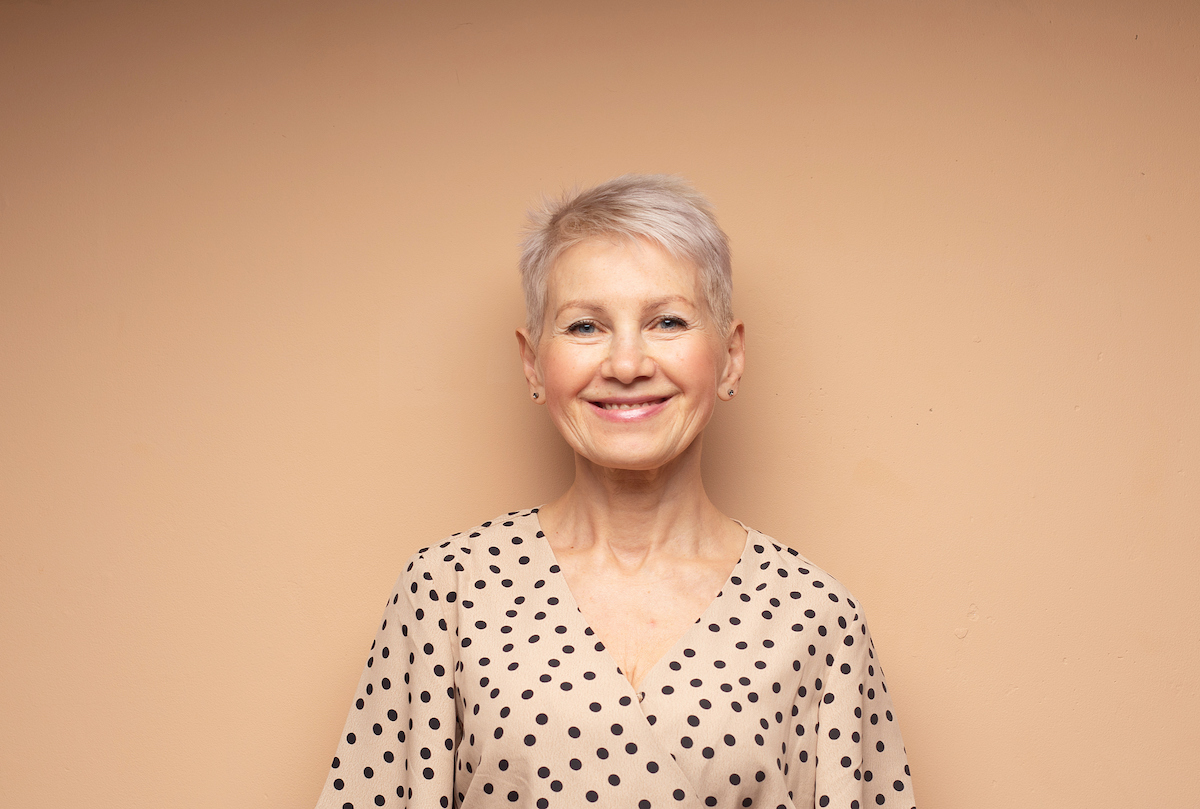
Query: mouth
{"x": 629, "y": 404}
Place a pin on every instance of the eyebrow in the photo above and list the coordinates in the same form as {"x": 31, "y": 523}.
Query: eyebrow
{"x": 592, "y": 306}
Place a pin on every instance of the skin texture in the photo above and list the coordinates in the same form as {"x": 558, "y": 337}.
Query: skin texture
{"x": 642, "y": 547}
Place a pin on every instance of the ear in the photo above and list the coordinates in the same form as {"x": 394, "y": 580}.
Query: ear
{"x": 735, "y": 360}
{"x": 529, "y": 362}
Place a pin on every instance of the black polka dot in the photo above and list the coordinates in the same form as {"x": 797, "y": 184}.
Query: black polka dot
{"x": 479, "y": 663}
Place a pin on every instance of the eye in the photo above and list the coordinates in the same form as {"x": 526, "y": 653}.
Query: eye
{"x": 672, "y": 324}
{"x": 582, "y": 327}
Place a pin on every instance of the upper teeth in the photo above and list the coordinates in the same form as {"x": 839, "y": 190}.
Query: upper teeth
{"x": 608, "y": 406}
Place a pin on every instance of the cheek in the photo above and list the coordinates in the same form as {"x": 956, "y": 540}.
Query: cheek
{"x": 564, "y": 374}
{"x": 699, "y": 366}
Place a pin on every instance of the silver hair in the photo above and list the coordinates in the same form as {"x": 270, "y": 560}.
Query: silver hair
{"x": 660, "y": 208}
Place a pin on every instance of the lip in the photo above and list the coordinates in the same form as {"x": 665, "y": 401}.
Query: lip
{"x": 640, "y": 408}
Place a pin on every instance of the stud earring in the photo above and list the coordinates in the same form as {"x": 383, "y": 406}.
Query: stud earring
{"x": 535, "y": 395}
{"x": 731, "y": 392}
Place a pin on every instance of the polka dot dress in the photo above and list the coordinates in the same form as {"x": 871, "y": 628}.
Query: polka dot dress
{"x": 485, "y": 687}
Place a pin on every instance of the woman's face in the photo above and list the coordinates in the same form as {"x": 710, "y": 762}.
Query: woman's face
{"x": 630, "y": 361}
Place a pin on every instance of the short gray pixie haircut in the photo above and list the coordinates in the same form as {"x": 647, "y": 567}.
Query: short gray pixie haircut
{"x": 665, "y": 210}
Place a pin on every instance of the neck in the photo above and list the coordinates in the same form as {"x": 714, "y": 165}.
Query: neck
{"x": 634, "y": 513}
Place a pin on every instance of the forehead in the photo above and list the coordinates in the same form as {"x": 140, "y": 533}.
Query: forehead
{"x": 615, "y": 270}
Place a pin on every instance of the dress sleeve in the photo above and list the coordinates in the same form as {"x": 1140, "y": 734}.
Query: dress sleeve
{"x": 861, "y": 761}
{"x": 398, "y": 746}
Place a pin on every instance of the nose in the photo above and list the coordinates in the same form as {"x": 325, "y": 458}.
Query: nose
{"x": 628, "y": 359}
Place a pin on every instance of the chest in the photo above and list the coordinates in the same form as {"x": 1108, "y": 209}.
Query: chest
{"x": 533, "y": 670}
{"x": 639, "y": 618}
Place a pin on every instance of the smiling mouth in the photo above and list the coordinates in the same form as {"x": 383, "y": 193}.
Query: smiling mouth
{"x": 628, "y": 405}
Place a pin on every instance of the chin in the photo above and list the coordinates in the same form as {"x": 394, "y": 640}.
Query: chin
{"x": 632, "y": 466}
{"x": 633, "y": 460}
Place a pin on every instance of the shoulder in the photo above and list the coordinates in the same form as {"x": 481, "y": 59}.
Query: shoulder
{"x": 798, "y": 581}
{"x": 445, "y": 567}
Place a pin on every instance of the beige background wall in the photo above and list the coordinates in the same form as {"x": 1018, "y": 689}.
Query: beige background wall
{"x": 257, "y": 295}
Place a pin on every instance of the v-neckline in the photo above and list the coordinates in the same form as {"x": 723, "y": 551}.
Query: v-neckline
{"x": 639, "y": 689}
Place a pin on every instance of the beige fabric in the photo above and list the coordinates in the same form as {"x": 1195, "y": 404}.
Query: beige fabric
{"x": 485, "y": 687}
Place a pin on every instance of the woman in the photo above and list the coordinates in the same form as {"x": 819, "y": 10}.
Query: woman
{"x": 626, "y": 645}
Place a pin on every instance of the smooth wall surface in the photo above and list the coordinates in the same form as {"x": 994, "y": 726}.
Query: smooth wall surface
{"x": 257, "y": 295}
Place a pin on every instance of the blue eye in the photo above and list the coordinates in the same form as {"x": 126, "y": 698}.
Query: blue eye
{"x": 582, "y": 328}
{"x": 672, "y": 323}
